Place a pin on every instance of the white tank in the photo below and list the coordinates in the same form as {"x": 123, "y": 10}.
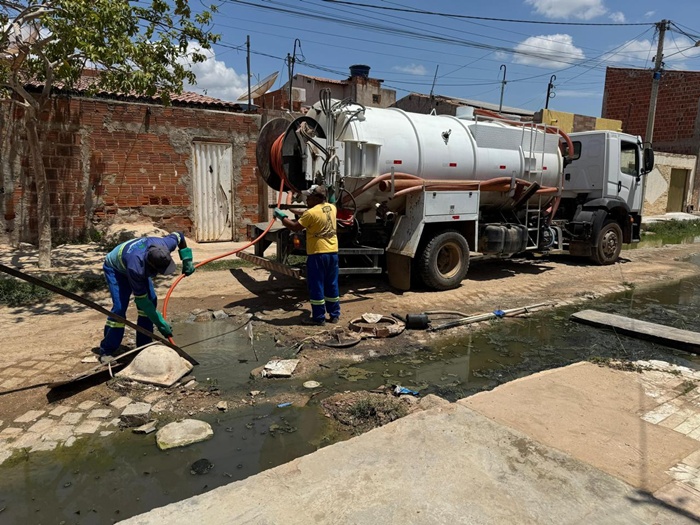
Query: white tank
{"x": 370, "y": 141}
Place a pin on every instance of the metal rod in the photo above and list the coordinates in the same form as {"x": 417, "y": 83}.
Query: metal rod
{"x": 97, "y": 307}
{"x": 503, "y": 87}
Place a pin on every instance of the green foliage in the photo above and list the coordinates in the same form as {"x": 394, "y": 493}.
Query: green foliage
{"x": 14, "y": 292}
{"x": 674, "y": 228}
{"x": 139, "y": 47}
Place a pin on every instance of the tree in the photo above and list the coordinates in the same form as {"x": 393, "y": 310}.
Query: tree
{"x": 137, "y": 46}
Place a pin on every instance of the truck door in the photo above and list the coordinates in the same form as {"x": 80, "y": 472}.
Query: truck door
{"x": 628, "y": 184}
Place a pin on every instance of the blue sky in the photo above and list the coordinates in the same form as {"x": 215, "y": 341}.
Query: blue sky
{"x": 405, "y": 48}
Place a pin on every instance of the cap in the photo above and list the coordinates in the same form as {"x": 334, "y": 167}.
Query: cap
{"x": 159, "y": 257}
{"x": 315, "y": 189}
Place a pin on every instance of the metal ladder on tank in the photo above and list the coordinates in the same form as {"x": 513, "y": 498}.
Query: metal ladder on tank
{"x": 533, "y": 206}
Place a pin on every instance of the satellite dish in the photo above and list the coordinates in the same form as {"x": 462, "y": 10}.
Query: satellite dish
{"x": 260, "y": 88}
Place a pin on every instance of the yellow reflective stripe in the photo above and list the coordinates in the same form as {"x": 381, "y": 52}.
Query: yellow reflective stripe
{"x": 142, "y": 313}
{"x": 114, "y": 324}
{"x": 119, "y": 256}
{"x": 140, "y": 296}
{"x": 179, "y": 237}
{"x": 317, "y": 302}
{"x": 332, "y": 299}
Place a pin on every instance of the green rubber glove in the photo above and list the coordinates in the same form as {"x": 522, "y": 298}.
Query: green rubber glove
{"x": 187, "y": 262}
{"x": 279, "y": 214}
{"x": 147, "y": 307}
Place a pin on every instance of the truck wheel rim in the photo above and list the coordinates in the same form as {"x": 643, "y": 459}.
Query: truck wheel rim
{"x": 610, "y": 243}
{"x": 449, "y": 260}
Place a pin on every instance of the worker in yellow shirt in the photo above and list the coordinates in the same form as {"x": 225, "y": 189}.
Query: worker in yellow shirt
{"x": 322, "y": 250}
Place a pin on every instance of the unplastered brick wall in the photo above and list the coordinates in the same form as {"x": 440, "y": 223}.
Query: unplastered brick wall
{"x": 108, "y": 160}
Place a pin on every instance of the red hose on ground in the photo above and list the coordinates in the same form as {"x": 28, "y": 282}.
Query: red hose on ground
{"x": 207, "y": 261}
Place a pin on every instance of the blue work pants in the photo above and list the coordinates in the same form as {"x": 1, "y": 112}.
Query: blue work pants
{"x": 322, "y": 279}
{"x": 120, "y": 290}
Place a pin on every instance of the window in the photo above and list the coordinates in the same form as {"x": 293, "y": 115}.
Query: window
{"x": 577, "y": 149}
{"x": 628, "y": 158}
{"x": 376, "y": 99}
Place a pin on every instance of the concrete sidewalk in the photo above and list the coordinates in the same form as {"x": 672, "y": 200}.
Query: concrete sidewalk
{"x": 452, "y": 464}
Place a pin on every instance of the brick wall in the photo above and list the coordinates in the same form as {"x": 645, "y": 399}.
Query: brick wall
{"x": 109, "y": 159}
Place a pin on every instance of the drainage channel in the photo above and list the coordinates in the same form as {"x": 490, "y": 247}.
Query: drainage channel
{"x": 103, "y": 480}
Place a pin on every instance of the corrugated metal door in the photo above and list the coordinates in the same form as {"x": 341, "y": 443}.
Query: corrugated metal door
{"x": 213, "y": 191}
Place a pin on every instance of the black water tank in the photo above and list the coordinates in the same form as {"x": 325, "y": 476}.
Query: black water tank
{"x": 359, "y": 70}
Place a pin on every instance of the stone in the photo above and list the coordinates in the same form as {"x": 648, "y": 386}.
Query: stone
{"x": 42, "y": 425}
{"x": 220, "y": 314}
{"x": 121, "y": 402}
{"x": 147, "y": 428}
{"x": 106, "y": 433}
{"x": 58, "y": 433}
{"x": 162, "y": 406}
{"x": 183, "y": 433}
{"x": 5, "y": 454}
{"x": 87, "y": 427}
{"x": 69, "y": 442}
{"x": 433, "y": 401}
{"x": 113, "y": 423}
{"x": 156, "y": 365}
{"x": 203, "y": 317}
{"x": 135, "y": 414}
{"x": 222, "y": 405}
{"x": 71, "y": 418}
{"x": 44, "y": 445}
{"x": 191, "y": 385}
{"x": 90, "y": 359}
{"x": 10, "y": 432}
{"x": 27, "y": 440}
{"x": 60, "y": 410}
{"x": 153, "y": 397}
{"x": 30, "y": 416}
{"x": 280, "y": 368}
{"x": 86, "y": 405}
{"x": 100, "y": 413}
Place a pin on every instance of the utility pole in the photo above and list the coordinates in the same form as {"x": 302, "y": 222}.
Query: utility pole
{"x": 550, "y": 93}
{"x": 290, "y": 63}
{"x": 658, "y": 67}
{"x": 503, "y": 87}
{"x": 247, "y": 62}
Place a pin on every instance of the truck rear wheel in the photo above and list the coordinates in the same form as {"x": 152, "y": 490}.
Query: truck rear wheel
{"x": 609, "y": 244}
{"x": 444, "y": 262}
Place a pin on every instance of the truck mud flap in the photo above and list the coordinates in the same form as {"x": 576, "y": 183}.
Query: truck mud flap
{"x": 272, "y": 266}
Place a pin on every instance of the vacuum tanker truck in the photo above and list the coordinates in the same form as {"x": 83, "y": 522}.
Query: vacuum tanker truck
{"x": 420, "y": 195}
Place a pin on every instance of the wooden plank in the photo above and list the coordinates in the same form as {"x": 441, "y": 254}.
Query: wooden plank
{"x": 658, "y": 333}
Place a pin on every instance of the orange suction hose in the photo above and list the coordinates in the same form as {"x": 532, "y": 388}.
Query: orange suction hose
{"x": 207, "y": 261}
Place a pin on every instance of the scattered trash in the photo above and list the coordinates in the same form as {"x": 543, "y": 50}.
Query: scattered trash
{"x": 372, "y": 318}
{"x": 280, "y": 368}
{"x": 312, "y": 384}
{"x": 147, "y": 428}
{"x": 283, "y": 405}
{"x": 402, "y": 390}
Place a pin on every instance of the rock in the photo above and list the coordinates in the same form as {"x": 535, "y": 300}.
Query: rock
{"x": 204, "y": 317}
{"x": 220, "y": 314}
{"x": 135, "y": 414}
{"x": 191, "y": 385}
{"x": 222, "y": 405}
{"x": 30, "y": 416}
{"x": 90, "y": 359}
{"x": 236, "y": 310}
{"x": 280, "y": 368}
{"x": 147, "y": 428}
{"x": 198, "y": 311}
{"x": 201, "y": 466}
{"x": 254, "y": 393}
{"x": 432, "y": 401}
{"x": 183, "y": 433}
{"x": 156, "y": 365}
{"x": 100, "y": 413}
{"x": 121, "y": 402}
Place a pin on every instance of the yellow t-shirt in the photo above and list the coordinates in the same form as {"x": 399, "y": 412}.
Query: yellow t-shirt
{"x": 320, "y": 225}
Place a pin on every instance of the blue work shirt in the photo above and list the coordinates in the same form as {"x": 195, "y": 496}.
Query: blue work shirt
{"x": 129, "y": 258}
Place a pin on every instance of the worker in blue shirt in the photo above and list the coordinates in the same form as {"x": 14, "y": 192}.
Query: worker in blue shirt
{"x": 129, "y": 268}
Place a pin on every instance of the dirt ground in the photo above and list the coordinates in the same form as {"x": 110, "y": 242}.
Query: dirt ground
{"x": 42, "y": 342}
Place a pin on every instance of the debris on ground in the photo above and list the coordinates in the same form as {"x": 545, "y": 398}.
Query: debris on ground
{"x": 201, "y": 466}
{"x": 363, "y": 411}
{"x": 279, "y": 368}
{"x": 183, "y": 433}
{"x": 135, "y": 414}
{"x": 222, "y": 406}
{"x": 149, "y": 427}
{"x": 156, "y": 365}
{"x": 354, "y": 373}
{"x": 312, "y": 384}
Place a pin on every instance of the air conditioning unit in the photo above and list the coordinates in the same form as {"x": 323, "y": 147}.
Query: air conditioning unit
{"x": 298, "y": 94}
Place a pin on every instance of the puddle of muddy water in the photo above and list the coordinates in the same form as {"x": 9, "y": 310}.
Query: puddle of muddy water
{"x": 100, "y": 480}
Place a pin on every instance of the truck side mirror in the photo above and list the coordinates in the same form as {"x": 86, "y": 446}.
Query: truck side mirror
{"x": 648, "y": 160}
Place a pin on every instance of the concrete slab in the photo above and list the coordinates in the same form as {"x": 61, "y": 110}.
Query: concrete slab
{"x": 444, "y": 465}
{"x": 594, "y": 414}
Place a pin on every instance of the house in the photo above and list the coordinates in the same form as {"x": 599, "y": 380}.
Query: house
{"x": 119, "y": 157}
{"x": 443, "y": 105}
{"x": 306, "y": 89}
{"x": 672, "y": 186}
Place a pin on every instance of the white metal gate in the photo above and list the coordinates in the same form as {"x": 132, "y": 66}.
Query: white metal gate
{"x": 213, "y": 191}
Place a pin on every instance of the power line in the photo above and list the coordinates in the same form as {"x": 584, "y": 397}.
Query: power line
{"x": 470, "y": 17}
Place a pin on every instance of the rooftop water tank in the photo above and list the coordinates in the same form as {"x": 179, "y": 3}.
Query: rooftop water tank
{"x": 359, "y": 70}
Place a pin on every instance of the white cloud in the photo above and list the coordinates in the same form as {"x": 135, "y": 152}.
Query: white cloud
{"x": 411, "y": 69}
{"x": 548, "y": 51}
{"x": 649, "y": 14}
{"x": 618, "y": 17}
{"x": 582, "y": 9}
{"x": 214, "y": 78}
{"x": 632, "y": 51}
{"x": 642, "y": 52}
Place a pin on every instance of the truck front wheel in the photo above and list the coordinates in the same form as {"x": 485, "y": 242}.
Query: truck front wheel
{"x": 609, "y": 244}
{"x": 444, "y": 261}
